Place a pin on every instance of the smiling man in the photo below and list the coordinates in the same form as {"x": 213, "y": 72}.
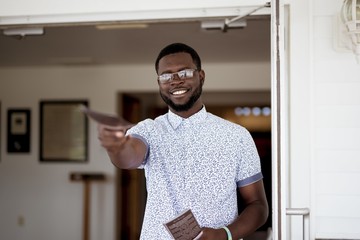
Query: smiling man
{"x": 192, "y": 159}
{"x": 173, "y": 69}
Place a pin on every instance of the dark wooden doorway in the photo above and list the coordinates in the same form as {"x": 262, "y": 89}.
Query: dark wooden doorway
{"x": 131, "y": 192}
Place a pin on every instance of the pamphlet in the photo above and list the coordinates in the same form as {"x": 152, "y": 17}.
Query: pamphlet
{"x": 106, "y": 119}
{"x": 184, "y": 226}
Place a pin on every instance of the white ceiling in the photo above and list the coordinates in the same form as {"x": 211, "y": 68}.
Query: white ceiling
{"x": 73, "y": 45}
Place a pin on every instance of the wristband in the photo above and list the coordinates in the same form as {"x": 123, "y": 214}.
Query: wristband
{"x": 229, "y": 236}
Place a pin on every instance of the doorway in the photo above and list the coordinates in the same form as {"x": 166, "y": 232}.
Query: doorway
{"x": 246, "y": 55}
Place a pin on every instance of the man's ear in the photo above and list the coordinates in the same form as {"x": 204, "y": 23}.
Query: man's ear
{"x": 202, "y": 76}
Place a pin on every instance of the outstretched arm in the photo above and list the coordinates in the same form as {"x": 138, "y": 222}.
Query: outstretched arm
{"x": 125, "y": 152}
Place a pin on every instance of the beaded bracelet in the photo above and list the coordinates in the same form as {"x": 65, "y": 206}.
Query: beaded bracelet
{"x": 229, "y": 236}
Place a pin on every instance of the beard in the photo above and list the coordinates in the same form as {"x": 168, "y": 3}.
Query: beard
{"x": 186, "y": 106}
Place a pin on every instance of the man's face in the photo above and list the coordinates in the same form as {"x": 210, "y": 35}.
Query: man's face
{"x": 181, "y": 95}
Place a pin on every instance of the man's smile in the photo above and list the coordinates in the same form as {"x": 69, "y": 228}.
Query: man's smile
{"x": 178, "y": 92}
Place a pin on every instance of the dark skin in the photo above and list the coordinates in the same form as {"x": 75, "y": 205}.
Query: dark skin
{"x": 128, "y": 153}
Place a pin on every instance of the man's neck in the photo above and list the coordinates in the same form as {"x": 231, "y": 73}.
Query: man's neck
{"x": 186, "y": 114}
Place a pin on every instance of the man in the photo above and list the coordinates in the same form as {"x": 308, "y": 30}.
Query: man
{"x": 192, "y": 159}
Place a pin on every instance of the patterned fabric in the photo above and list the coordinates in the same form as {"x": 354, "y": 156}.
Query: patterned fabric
{"x": 195, "y": 163}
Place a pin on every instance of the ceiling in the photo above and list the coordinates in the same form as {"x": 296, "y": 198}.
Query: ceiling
{"x": 83, "y": 45}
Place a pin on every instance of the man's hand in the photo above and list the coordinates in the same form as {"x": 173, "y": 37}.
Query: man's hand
{"x": 111, "y": 138}
{"x": 125, "y": 152}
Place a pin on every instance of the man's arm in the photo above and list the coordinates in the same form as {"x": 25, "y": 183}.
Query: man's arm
{"x": 255, "y": 213}
{"x": 250, "y": 219}
{"x": 125, "y": 152}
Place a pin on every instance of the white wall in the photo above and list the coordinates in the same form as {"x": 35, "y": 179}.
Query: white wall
{"x": 324, "y": 124}
{"x": 42, "y": 193}
{"x": 336, "y": 125}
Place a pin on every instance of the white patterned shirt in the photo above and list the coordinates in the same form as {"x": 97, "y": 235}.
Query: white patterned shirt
{"x": 195, "y": 163}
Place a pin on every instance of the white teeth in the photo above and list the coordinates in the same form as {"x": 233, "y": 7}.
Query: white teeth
{"x": 179, "y": 92}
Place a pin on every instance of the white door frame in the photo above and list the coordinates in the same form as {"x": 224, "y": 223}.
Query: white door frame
{"x": 279, "y": 126}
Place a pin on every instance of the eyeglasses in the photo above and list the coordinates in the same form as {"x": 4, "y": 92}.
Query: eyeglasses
{"x": 183, "y": 74}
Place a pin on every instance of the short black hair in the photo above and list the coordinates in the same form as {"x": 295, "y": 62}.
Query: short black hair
{"x": 176, "y": 48}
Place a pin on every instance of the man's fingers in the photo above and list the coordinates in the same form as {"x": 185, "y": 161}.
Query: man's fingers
{"x": 111, "y": 137}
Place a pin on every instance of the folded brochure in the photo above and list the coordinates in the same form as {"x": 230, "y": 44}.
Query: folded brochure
{"x": 184, "y": 226}
{"x": 106, "y": 119}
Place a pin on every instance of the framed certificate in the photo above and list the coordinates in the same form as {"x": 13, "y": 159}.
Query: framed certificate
{"x": 63, "y": 131}
{"x": 18, "y": 131}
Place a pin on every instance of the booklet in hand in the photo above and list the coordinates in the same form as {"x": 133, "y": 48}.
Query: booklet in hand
{"x": 184, "y": 226}
{"x": 106, "y": 119}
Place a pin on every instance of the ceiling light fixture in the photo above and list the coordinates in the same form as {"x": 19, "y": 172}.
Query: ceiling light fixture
{"x": 121, "y": 26}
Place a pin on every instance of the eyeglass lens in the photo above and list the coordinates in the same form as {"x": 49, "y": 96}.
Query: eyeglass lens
{"x": 184, "y": 74}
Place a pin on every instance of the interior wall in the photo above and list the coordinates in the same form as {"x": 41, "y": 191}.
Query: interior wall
{"x": 36, "y": 198}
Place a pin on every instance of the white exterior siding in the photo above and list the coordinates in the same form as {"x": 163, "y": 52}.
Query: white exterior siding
{"x": 336, "y": 124}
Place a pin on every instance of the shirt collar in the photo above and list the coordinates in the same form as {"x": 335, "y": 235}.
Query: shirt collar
{"x": 175, "y": 120}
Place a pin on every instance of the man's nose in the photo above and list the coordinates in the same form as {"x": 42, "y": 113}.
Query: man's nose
{"x": 175, "y": 77}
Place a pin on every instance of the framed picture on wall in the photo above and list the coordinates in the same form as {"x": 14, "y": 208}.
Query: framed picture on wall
{"x": 18, "y": 131}
{"x": 63, "y": 131}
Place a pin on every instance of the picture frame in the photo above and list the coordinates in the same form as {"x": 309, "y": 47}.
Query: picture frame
{"x": 63, "y": 131}
{"x": 18, "y": 130}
